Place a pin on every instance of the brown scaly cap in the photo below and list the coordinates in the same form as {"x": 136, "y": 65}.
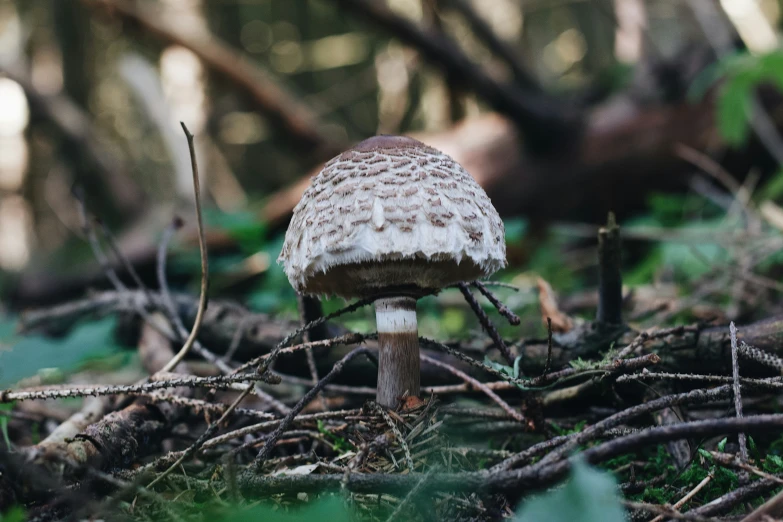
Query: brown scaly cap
{"x": 391, "y": 214}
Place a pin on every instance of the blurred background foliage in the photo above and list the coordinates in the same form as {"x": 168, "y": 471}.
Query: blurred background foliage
{"x": 91, "y": 96}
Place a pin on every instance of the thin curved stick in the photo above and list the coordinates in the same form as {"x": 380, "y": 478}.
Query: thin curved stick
{"x": 202, "y": 244}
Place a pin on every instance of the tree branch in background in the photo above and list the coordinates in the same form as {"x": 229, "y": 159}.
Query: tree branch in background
{"x": 543, "y": 121}
{"x": 495, "y": 44}
{"x": 272, "y": 100}
{"x": 78, "y": 131}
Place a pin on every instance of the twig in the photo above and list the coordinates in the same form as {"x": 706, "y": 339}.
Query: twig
{"x": 502, "y": 309}
{"x": 413, "y": 492}
{"x": 743, "y": 443}
{"x": 253, "y": 484}
{"x": 270, "y": 401}
{"x": 135, "y": 488}
{"x": 202, "y": 302}
{"x": 429, "y": 343}
{"x": 501, "y": 284}
{"x": 769, "y": 509}
{"x": 304, "y": 401}
{"x": 664, "y": 511}
{"x": 610, "y": 279}
{"x": 643, "y": 337}
{"x": 255, "y": 428}
{"x": 92, "y": 238}
{"x": 397, "y": 434}
{"x": 709, "y": 166}
{"x": 309, "y": 310}
{"x": 237, "y": 338}
{"x": 548, "y": 346}
{"x": 693, "y": 397}
{"x": 168, "y": 302}
{"x": 477, "y": 385}
{"x": 312, "y": 324}
{"x": 349, "y": 338}
{"x": 160, "y": 268}
{"x": 381, "y": 441}
{"x": 773, "y": 383}
{"x": 692, "y": 493}
{"x": 726, "y": 502}
{"x": 202, "y": 438}
{"x": 760, "y": 356}
{"x": 727, "y": 459}
{"x": 210, "y": 407}
{"x": 167, "y": 459}
{"x": 529, "y": 453}
{"x": 122, "y": 258}
{"x": 772, "y": 507}
{"x": 486, "y": 323}
{"x": 130, "y": 389}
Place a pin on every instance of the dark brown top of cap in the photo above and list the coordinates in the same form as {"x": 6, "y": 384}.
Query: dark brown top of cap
{"x": 388, "y": 142}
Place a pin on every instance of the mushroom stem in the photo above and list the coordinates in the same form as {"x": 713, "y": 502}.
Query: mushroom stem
{"x": 398, "y": 357}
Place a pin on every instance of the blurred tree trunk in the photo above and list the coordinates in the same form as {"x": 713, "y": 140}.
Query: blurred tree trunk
{"x": 72, "y": 27}
{"x": 597, "y": 22}
{"x": 80, "y": 49}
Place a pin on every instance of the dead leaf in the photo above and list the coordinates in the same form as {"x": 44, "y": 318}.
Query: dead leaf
{"x": 546, "y": 297}
{"x": 411, "y": 402}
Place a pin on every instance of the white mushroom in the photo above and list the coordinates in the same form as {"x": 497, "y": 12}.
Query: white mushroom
{"x": 392, "y": 219}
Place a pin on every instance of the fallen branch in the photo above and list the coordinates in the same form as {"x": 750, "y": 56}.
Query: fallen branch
{"x": 516, "y": 482}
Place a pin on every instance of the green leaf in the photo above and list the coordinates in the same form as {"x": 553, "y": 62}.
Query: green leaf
{"x": 712, "y": 73}
{"x": 15, "y": 514}
{"x": 733, "y": 109}
{"x": 743, "y": 72}
{"x": 498, "y": 366}
{"x": 752, "y": 444}
{"x": 722, "y": 445}
{"x": 516, "y": 228}
{"x": 516, "y": 366}
{"x": 589, "y": 495}
{"x": 244, "y": 227}
{"x": 22, "y": 357}
{"x": 773, "y": 463}
{"x": 773, "y": 188}
{"x": 4, "y": 423}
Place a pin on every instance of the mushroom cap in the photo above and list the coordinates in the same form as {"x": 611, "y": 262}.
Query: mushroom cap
{"x": 391, "y": 216}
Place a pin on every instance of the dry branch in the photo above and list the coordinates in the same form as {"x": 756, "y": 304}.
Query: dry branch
{"x": 524, "y": 481}
{"x": 545, "y": 122}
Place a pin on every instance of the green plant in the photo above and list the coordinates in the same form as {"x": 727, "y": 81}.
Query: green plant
{"x": 331, "y": 508}
{"x": 589, "y": 495}
{"x": 340, "y": 444}
{"x": 4, "y": 423}
{"x": 741, "y": 73}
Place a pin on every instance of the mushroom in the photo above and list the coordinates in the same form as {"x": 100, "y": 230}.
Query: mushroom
{"x": 392, "y": 220}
